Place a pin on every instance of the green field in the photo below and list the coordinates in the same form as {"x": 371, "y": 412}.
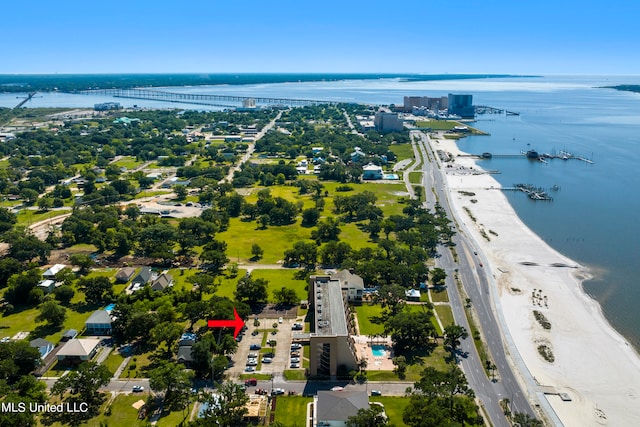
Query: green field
{"x": 415, "y": 177}
{"x": 364, "y": 314}
{"x": 30, "y": 216}
{"x": 292, "y": 410}
{"x": 281, "y": 278}
{"x": 393, "y": 407}
{"x": 402, "y": 151}
{"x": 445, "y": 314}
{"x": 128, "y": 162}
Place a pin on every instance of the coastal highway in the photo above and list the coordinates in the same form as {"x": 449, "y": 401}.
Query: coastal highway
{"x": 474, "y": 279}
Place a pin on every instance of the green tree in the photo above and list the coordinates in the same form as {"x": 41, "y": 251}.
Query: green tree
{"x": 285, "y": 296}
{"x": 165, "y": 332}
{"x": 256, "y": 251}
{"x": 372, "y": 417}
{"x": 53, "y": 313}
{"x": 310, "y": 217}
{"x": 227, "y": 408}
{"x": 252, "y": 291}
{"x": 17, "y": 359}
{"x": 181, "y": 192}
{"x": 64, "y": 294}
{"x": 96, "y": 289}
{"x": 79, "y": 387}
{"x": 452, "y": 336}
{"x": 172, "y": 380}
{"x": 84, "y": 261}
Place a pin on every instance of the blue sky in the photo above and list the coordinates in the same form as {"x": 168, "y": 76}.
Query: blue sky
{"x": 421, "y": 36}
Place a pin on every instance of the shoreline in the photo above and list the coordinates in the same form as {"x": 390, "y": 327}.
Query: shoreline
{"x": 592, "y": 362}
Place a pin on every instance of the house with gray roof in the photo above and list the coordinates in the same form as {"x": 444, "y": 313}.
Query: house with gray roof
{"x": 99, "y": 323}
{"x": 143, "y": 277}
{"x": 333, "y": 408}
{"x": 43, "y": 346}
{"x": 125, "y": 274}
{"x": 162, "y": 282}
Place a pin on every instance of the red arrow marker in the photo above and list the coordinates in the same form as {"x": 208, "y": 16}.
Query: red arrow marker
{"x": 237, "y": 323}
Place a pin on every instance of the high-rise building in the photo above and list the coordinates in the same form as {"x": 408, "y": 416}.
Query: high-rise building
{"x": 331, "y": 341}
{"x": 462, "y": 105}
{"x": 388, "y": 122}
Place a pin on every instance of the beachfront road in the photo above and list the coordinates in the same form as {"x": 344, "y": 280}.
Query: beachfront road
{"x": 476, "y": 284}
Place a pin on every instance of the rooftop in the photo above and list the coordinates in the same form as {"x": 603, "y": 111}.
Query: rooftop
{"x": 329, "y": 306}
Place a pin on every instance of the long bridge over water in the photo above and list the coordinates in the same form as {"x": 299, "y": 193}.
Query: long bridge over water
{"x": 201, "y": 99}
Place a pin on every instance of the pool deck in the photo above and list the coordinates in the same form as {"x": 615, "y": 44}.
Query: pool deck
{"x": 374, "y": 363}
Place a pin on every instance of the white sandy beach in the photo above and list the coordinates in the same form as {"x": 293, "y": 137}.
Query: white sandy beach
{"x": 593, "y": 363}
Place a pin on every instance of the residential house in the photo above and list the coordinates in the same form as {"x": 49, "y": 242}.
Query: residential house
{"x": 47, "y": 286}
{"x": 142, "y": 278}
{"x": 371, "y": 171}
{"x": 412, "y": 295}
{"x": 162, "y": 282}
{"x": 78, "y": 350}
{"x": 125, "y": 274}
{"x": 99, "y": 323}
{"x": 184, "y": 355}
{"x": 69, "y": 335}
{"x": 43, "y": 346}
{"x": 333, "y": 408}
{"x": 188, "y": 338}
{"x": 51, "y": 272}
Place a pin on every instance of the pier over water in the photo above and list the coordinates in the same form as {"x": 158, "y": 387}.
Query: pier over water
{"x": 201, "y": 99}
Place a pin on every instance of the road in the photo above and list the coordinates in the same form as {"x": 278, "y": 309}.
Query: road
{"x": 251, "y": 149}
{"x": 476, "y": 284}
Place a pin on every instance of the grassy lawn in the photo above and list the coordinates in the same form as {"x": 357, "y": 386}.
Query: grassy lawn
{"x": 128, "y": 162}
{"x": 402, "y": 151}
{"x": 439, "y": 295}
{"x": 364, "y": 313}
{"x": 292, "y": 410}
{"x": 415, "y": 177}
{"x": 144, "y": 194}
{"x": 393, "y": 407}
{"x": 437, "y": 124}
{"x": 226, "y": 284}
{"x": 274, "y": 240}
{"x": 435, "y": 359}
{"x": 137, "y": 364}
{"x": 28, "y": 216}
{"x": 294, "y": 375}
{"x": 114, "y": 360}
{"x": 281, "y": 278}
{"x": 445, "y": 314}
{"x": 259, "y": 377}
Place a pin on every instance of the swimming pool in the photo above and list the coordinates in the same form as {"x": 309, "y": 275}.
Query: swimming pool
{"x": 378, "y": 350}
{"x": 109, "y": 308}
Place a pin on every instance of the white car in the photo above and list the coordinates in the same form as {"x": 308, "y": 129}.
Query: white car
{"x": 267, "y": 360}
{"x": 249, "y": 369}
{"x": 137, "y": 388}
{"x": 280, "y": 320}
{"x": 296, "y": 346}
{"x": 252, "y": 355}
{"x": 252, "y": 362}
{"x": 295, "y": 365}
{"x": 295, "y": 360}
{"x": 277, "y": 391}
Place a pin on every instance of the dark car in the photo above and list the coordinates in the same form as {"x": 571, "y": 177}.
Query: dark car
{"x": 255, "y": 347}
{"x": 376, "y": 393}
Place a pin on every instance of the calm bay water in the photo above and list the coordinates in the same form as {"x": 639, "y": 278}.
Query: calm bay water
{"x": 593, "y": 216}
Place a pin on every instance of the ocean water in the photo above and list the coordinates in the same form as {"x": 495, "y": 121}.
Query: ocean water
{"x": 593, "y": 218}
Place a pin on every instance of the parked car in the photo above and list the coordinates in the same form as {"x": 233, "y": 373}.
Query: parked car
{"x": 251, "y": 382}
{"x": 376, "y": 393}
{"x": 277, "y": 391}
{"x": 295, "y": 360}
{"x": 252, "y": 355}
{"x": 270, "y": 354}
{"x": 255, "y": 347}
{"x": 280, "y": 320}
{"x": 252, "y": 362}
{"x": 296, "y": 346}
{"x": 249, "y": 369}
{"x": 295, "y": 353}
{"x": 267, "y": 360}
{"x": 137, "y": 388}
{"x": 295, "y": 365}
{"x": 297, "y": 326}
